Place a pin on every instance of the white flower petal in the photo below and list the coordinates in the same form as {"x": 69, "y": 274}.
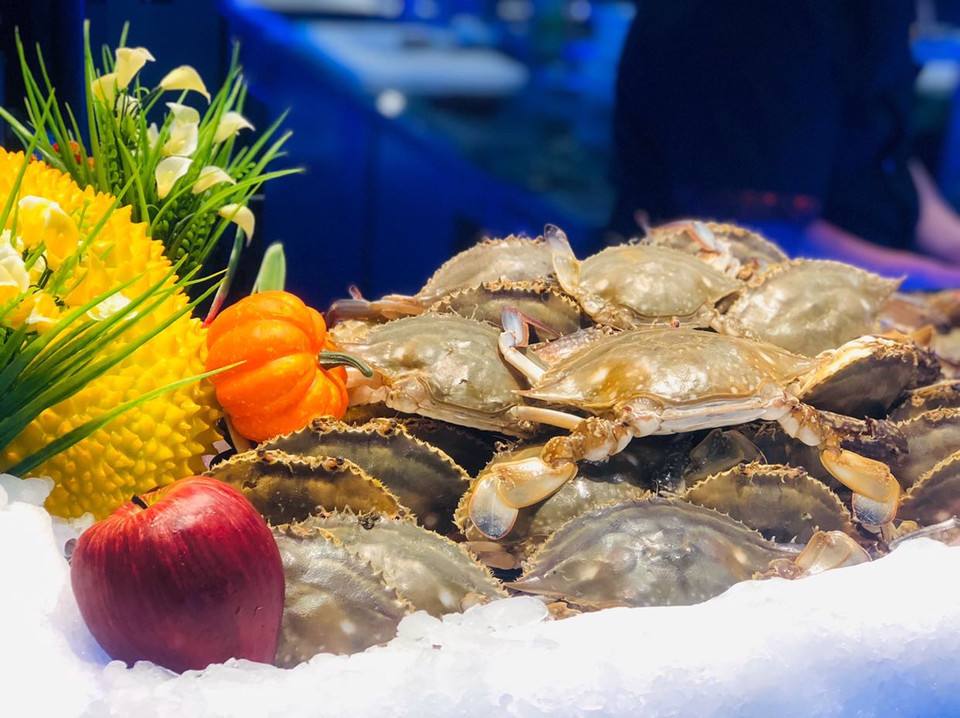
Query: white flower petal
{"x": 231, "y": 123}
{"x": 183, "y": 140}
{"x": 130, "y": 60}
{"x": 168, "y": 171}
{"x": 210, "y": 176}
{"x": 153, "y": 134}
{"x": 110, "y": 306}
{"x": 241, "y": 215}
{"x": 13, "y": 271}
{"x": 184, "y": 113}
{"x": 127, "y": 104}
{"x": 184, "y": 78}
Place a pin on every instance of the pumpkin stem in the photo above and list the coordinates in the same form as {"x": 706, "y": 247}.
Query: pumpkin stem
{"x": 327, "y": 359}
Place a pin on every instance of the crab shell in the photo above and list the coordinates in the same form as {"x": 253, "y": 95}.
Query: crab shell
{"x": 783, "y": 503}
{"x": 807, "y": 306}
{"x": 336, "y": 602}
{"x": 542, "y": 302}
{"x": 867, "y": 375}
{"x": 636, "y": 285}
{"x": 442, "y": 366}
{"x": 931, "y": 437}
{"x": 285, "y": 488}
{"x": 512, "y": 259}
{"x": 734, "y": 250}
{"x": 935, "y": 497}
{"x": 693, "y": 379}
{"x": 433, "y": 573}
{"x": 648, "y": 552}
{"x": 424, "y": 479}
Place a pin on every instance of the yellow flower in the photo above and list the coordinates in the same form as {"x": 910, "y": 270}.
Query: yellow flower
{"x": 163, "y": 439}
{"x": 105, "y": 87}
{"x": 184, "y": 78}
{"x": 39, "y": 311}
{"x": 43, "y": 220}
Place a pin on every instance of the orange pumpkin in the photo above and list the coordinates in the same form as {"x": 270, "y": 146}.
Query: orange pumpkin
{"x": 280, "y": 386}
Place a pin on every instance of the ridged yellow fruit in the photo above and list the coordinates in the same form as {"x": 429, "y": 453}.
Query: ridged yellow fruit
{"x": 160, "y": 441}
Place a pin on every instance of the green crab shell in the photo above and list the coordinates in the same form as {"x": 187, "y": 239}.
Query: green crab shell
{"x": 636, "y": 285}
{"x": 751, "y": 251}
{"x": 931, "y": 437}
{"x": 807, "y": 306}
{"x": 941, "y": 395}
{"x": 649, "y": 552}
{"x": 433, "y": 573}
{"x": 336, "y": 602}
{"x": 936, "y": 495}
{"x": 669, "y": 366}
{"x": 783, "y": 503}
{"x": 442, "y": 366}
{"x": 425, "y": 479}
{"x": 541, "y": 301}
{"x": 286, "y": 488}
{"x": 867, "y": 375}
{"x": 511, "y": 258}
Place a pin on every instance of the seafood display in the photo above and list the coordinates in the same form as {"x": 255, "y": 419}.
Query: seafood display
{"x": 646, "y": 426}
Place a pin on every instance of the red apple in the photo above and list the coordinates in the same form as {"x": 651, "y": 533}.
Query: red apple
{"x": 186, "y": 575}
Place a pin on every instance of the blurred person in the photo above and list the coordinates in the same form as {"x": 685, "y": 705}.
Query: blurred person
{"x": 792, "y": 118}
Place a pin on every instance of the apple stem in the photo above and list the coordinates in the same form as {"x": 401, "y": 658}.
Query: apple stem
{"x": 139, "y": 502}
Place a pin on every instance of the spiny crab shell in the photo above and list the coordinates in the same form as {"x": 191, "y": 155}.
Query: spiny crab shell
{"x": 511, "y": 259}
{"x": 647, "y": 552}
{"x": 660, "y": 381}
{"x": 783, "y": 503}
{"x": 734, "y": 250}
{"x": 637, "y": 285}
{"x": 807, "y": 306}
{"x": 350, "y": 580}
{"x": 442, "y": 366}
{"x": 425, "y": 480}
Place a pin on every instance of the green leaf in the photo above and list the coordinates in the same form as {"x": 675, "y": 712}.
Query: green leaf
{"x": 273, "y": 270}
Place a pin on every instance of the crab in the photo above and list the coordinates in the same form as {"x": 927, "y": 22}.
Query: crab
{"x": 636, "y": 285}
{"x": 733, "y": 250}
{"x": 511, "y": 259}
{"x": 441, "y": 366}
{"x": 662, "y": 381}
{"x": 807, "y": 305}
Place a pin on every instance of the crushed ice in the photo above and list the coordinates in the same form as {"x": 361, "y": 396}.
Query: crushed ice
{"x": 872, "y": 640}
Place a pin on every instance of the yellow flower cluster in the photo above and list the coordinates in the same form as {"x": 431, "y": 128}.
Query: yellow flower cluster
{"x": 161, "y": 440}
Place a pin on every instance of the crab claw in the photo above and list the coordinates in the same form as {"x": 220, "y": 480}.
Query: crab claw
{"x": 488, "y": 512}
{"x": 876, "y": 490}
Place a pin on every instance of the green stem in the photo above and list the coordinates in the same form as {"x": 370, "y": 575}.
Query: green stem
{"x": 327, "y": 360}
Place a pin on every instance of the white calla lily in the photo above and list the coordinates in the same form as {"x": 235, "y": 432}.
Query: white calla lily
{"x": 184, "y": 113}
{"x": 241, "y": 215}
{"x": 130, "y": 60}
{"x": 104, "y": 88}
{"x": 184, "y": 78}
{"x": 209, "y": 176}
{"x": 230, "y": 124}
{"x": 183, "y": 141}
{"x": 168, "y": 171}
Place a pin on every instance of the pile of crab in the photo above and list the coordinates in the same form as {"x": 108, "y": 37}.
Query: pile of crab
{"x": 647, "y": 426}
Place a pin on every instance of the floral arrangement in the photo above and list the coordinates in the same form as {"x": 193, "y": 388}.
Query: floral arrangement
{"x": 103, "y": 240}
